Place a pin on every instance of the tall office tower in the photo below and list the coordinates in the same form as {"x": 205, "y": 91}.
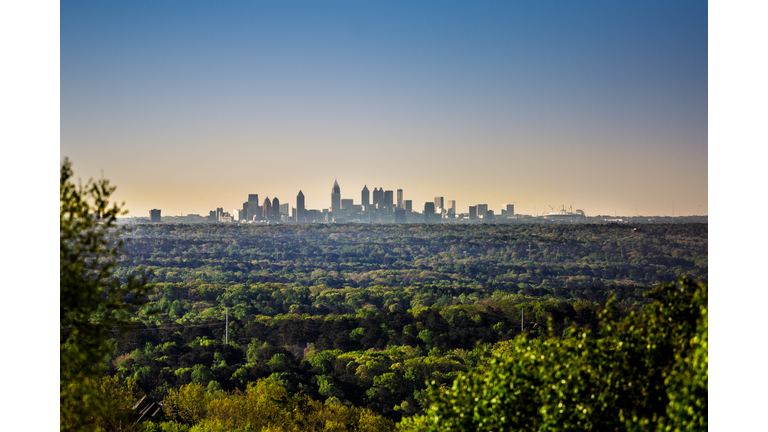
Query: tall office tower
{"x": 275, "y": 209}
{"x": 301, "y": 211}
{"x": 399, "y": 198}
{"x": 244, "y": 212}
{"x": 365, "y": 198}
{"x": 472, "y": 213}
{"x": 237, "y": 215}
{"x": 335, "y": 197}
{"x": 212, "y": 216}
{"x": 267, "y": 208}
{"x": 285, "y": 209}
{"x": 510, "y": 209}
{"x": 439, "y": 203}
{"x": 251, "y": 207}
{"x": 482, "y": 209}
{"x": 452, "y": 210}
{"x": 399, "y": 215}
{"x": 219, "y": 212}
{"x": 389, "y": 199}
{"x": 154, "y": 216}
{"x": 408, "y": 205}
{"x": 378, "y": 198}
{"x": 346, "y": 204}
{"x": 429, "y": 210}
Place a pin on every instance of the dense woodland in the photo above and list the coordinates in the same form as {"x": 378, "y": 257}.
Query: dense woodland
{"x": 368, "y": 318}
{"x": 321, "y": 269}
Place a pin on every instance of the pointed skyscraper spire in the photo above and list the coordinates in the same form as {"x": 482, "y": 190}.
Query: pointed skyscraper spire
{"x": 365, "y": 198}
{"x": 301, "y": 211}
{"x": 335, "y": 198}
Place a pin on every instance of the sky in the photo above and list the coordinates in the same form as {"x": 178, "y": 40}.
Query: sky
{"x": 187, "y": 106}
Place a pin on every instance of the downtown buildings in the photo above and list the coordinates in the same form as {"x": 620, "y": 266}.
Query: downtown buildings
{"x": 377, "y": 206}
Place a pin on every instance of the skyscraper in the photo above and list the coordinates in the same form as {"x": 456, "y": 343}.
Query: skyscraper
{"x": 275, "y": 209}
{"x": 429, "y": 210}
{"x": 439, "y": 203}
{"x": 335, "y": 197}
{"x": 408, "y": 205}
{"x": 365, "y": 198}
{"x": 267, "y": 208}
{"x": 378, "y": 198}
{"x": 482, "y": 209}
{"x": 452, "y": 210}
{"x": 301, "y": 211}
{"x": 399, "y": 198}
{"x": 389, "y": 199}
{"x": 472, "y": 213}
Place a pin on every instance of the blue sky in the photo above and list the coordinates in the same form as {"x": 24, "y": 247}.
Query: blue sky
{"x": 190, "y": 105}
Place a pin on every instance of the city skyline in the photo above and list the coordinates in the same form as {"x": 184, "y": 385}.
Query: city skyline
{"x": 382, "y": 204}
{"x": 186, "y": 108}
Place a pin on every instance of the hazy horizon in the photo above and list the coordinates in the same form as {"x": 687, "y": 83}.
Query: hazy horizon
{"x": 189, "y": 106}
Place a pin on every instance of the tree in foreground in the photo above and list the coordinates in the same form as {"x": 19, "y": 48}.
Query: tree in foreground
{"x": 647, "y": 371}
{"x": 94, "y": 304}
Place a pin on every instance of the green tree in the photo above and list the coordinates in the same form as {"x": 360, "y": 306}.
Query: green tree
{"x": 213, "y": 387}
{"x": 279, "y": 362}
{"x": 644, "y": 372}
{"x": 93, "y": 302}
{"x": 327, "y": 388}
{"x": 253, "y": 351}
{"x": 201, "y": 374}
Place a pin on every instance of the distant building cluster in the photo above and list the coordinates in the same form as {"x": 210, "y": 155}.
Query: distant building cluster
{"x": 379, "y": 205}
